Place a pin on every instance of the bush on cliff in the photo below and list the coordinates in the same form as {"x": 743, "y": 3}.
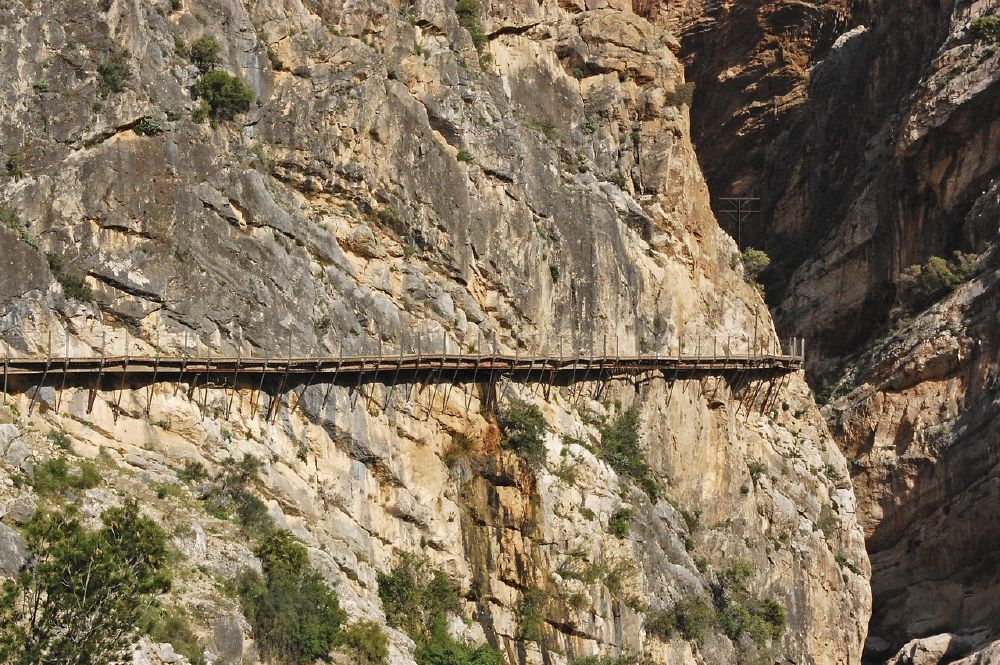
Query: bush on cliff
{"x": 620, "y": 448}
{"x": 225, "y": 95}
{"x": 523, "y": 429}
{"x": 82, "y": 595}
{"x": 418, "y": 600}
{"x": 922, "y": 285}
{"x": 986, "y": 28}
{"x": 294, "y": 616}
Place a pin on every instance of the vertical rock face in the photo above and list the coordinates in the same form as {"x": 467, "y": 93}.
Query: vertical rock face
{"x": 869, "y": 132}
{"x": 520, "y": 178}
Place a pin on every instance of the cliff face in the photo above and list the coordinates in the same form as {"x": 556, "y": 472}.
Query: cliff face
{"x": 394, "y": 187}
{"x": 868, "y": 131}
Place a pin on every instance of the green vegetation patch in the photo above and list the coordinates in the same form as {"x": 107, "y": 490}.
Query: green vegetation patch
{"x": 418, "y": 599}
{"x": 523, "y": 429}
{"x": 113, "y": 74}
{"x": 222, "y": 96}
{"x": 84, "y": 591}
{"x": 986, "y": 28}
{"x": 53, "y": 476}
{"x": 620, "y": 522}
{"x": 922, "y": 285}
{"x": 621, "y": 449}
{"x": 294, "y": 616}
{"x": 73, "y": 286}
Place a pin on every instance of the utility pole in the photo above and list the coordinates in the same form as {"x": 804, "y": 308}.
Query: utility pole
{"x": 739, "y": 209}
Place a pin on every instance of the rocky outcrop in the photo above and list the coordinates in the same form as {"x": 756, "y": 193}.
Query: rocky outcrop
{"x": 867, "y": 132}
{"x": 522, "y": 181}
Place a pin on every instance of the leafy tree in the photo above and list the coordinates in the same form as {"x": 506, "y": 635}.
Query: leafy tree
{"x": 204, "y": 52}
{"x": 620, "y": 448}
{"x": 294, "y": 616}
{"x": 418, "y": 599}
{"x": 113, "y": 73}
{"x": 522, "y": 429}
{"x": 754, "y": 263}
{"x": 80, "y": 599}
{"x": 225, "y": 94}
{"x": 922, "y": 285}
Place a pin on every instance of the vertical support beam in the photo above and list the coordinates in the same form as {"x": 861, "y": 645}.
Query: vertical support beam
{"x": 236, "y": 376}
{"x": 38, "y": 388}
{"x": 62, "y": 384}
{"x": 100, "y": 372}
{"x": 395, "y": 379}
{"x": 6, "y": 364}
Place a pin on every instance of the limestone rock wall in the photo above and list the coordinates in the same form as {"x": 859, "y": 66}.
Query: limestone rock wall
{"x": 869, "y": 132}
{"x": 394, "y": 187}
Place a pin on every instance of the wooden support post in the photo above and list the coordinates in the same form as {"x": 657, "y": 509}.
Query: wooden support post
{"x": 208, "y": 383}
{"x": 475, "y": 371}
{"x": 236, "y": 376}
{"x": 260, "y": 387}
{"x": 62, "y": 384}
{"x": 100, "y": 371}
{"x": 333, "y": 381}
{"x": 156, "y": 369}
{"x": 180, "y": 377}
{"x": 305, "y": 387}
{"x": 435, "y": 382}
{"x": 361, "y": 374}
{"x": 395, "y": 379}
{"x": 454, "y": 378}
{"x": 6, "y": 363}
{"x": 378, "y": 368}
{"x": 38, "y": 388}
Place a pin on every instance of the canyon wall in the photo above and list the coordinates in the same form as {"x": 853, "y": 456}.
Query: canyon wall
{"x": 408, "y": 176}
{"x": 868, "y": 131}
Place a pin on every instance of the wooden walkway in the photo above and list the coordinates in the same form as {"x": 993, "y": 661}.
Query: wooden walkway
{"x": 277, "y": 376}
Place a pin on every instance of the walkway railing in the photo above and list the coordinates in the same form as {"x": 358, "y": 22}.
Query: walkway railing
{"x": 277, "y": 376}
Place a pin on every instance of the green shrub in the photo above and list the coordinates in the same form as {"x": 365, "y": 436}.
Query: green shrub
{"x": 204, "y": 53}
{"x": 365, "y": 642}
{"x": 171, "y": 625}
{"x": 59, "y": 438}
{"x": 620, "y": 448}
{"x": 986, "y": 28}
{"x": 741, "y": 614}
{"x": 293, "y": 614}
{"x": 73, "y": 286}
{"x": 82, "y": 597}
{"x": 620, "y": 522}
{"x": 755, "y": 262}
{"x": 192, "y": 471}
{"x": 53, "y": 476}
{"x": 226, "y": 95}
{"x": 233, "y": 496}
{"x": 113, "y": 73}
{"x": 418, "y": 599}
{"x": 922, "y": 285}
{"x": 531, "y": 615}
{"x": 14, "y": 166}
{"x": 468, "y": 12}
{"x": 693, "y": 617}
{"x": 682, "y": 95}
{"x": 523, "y": 429}
{"x": 442, "y": 649}
{"x": 148, "y": 126}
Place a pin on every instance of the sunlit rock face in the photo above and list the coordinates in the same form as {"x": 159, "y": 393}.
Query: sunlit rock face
{"x": 392, "y": 187}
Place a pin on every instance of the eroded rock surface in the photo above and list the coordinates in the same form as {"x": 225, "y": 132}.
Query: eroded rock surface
{"x": 394, "y": 187}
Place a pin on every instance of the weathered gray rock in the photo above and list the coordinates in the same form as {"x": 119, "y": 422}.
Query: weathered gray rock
{"x": 21, "y": 509}
{"x": 227, "y": 636}
{"x": 13, "y": 551}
